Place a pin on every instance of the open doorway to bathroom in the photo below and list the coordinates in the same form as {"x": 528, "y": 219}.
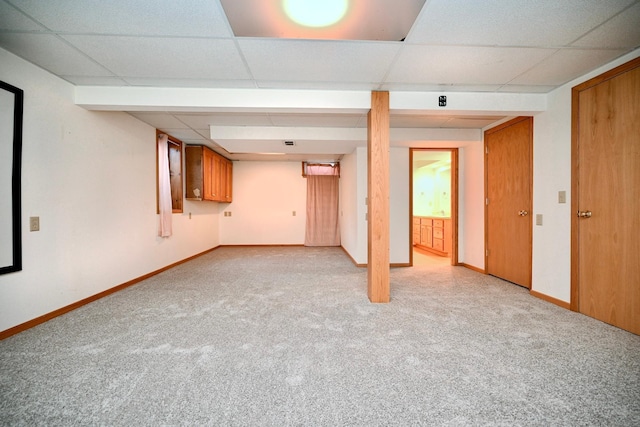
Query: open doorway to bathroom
{"x": 433, "y": 206}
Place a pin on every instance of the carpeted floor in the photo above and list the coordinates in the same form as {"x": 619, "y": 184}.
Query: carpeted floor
{"x": 286, "y": 336}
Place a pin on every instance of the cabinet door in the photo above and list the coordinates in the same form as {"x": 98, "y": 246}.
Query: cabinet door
{"x": 228, "y": 181}
{"x": 216, "y": 178}
{"x": 426, "y": 235}
{"x": 193, "y": 173}
{"x": 222, "y": 178}
{"x": 207, "y": 174}
{"x": 426, "y": 232}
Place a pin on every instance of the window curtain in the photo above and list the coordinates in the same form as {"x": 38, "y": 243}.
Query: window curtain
{"x": 164, "y": 187}
{"x": 322, "y": 209}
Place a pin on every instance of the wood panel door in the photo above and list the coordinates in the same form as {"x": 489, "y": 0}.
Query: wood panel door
{"x": 606, "y": 202}
{"x": 508, "y": 168}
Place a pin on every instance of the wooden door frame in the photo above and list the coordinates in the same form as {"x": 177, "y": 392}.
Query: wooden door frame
{"x": 454, "y": 201}
{"x": 486, "y": 188}
{"x": 574, "y": 304}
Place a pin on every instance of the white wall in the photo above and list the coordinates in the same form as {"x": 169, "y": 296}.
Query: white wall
{"x": 353, "y": 190}
{"x": 353, "y": 208}
{"x": 552, "y": 173}
{"x": 349, "y": 203}
{"x": 265, "y": 194}
{"x": 399, "y": 215}
{"x": 471, "y": 205}
{"x": 90, "y": 177}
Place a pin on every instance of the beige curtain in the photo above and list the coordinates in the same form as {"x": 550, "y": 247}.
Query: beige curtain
{"x": 322, "y": 211}
{"x": 164, "y": 187}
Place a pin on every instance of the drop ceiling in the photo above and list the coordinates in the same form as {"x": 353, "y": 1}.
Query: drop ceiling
{"x": 488, "y": 47}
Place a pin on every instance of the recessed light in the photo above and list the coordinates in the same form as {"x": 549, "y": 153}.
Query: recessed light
{"x": 315, "y": 13}
{"x": 389, "y": 20}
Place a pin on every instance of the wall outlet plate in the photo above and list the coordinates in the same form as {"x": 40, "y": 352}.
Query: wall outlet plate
{"x": 34, "y": 223}
{"x": 562, "y": 197}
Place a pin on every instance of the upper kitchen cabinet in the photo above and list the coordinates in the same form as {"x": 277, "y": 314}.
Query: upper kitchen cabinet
{"x": 209, "y": 175}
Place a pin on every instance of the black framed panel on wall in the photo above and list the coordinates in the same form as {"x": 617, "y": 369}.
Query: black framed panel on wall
{"x": 11, "y": 106}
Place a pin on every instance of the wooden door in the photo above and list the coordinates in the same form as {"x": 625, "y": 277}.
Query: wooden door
{"x": 606, "y": 185}
{"x": 508, "y": 169}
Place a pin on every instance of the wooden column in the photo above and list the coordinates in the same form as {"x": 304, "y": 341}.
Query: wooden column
{"x": 378, "y": 198}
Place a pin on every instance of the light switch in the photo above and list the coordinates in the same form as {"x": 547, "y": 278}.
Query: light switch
{"x": 538, "y": 219}
{"x": 34, "y": 223}
{"x": 562, "y": 197}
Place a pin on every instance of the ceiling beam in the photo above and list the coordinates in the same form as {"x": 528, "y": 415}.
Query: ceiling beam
{"x": 112, "y": 98}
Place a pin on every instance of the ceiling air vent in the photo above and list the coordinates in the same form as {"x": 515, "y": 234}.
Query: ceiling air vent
{"x": 289, "y": 143}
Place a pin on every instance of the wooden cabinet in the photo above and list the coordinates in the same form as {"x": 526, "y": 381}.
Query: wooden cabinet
{"x": 226, "y": 179}
{"x": 426, "y": 232}
{"x": 208, "y": 174}
{"x": 416, "y": 231}
{"x": 432, "y": 234}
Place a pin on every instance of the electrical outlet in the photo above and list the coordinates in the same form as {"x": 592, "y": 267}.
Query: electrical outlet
{"x": 34, "y": 223}
{"x": 562, "y": 197}
{"x": 294, "y": 213}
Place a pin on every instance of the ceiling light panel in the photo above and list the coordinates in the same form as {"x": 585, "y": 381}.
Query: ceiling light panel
{"x": 387, "y": 20}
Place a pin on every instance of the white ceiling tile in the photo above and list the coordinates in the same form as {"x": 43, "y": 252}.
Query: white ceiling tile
{"x": 195, "y": 83}
{"x": 204, "y": 133}
{"x": 177, "y": 58}
{"x": 430, "y": 87}
{"x": 12, "y": 19}
{"x": 526, "y": 88}
{"x": 160, "y": 120}
{"x": 52, "y": 54}
{"x": 94, "y": 81}
{"x": 203, "y": 121}
{"x": 318, "y": 85}
{"x": 511, "y": 23}
{"x": 140, "y": 17}
{"x": 622, "y": 31}
{"x": 313, "y": 60}
{"x": 471, "y": 122}
{"x": 565, "y": 65}
{"x": 463, "y": 65}
{"x": 184, "y": 134}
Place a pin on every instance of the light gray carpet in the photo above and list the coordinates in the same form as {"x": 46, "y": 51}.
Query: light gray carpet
{"x": 286, "y": 336}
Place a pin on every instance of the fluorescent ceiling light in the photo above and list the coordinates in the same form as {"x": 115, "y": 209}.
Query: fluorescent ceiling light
{"x": 315, "y": 13}
{"x": 386, "y": 20}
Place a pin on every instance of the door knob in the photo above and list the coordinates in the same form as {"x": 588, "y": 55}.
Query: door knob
{"x": 523, "y": 213}
{"x": 584, "y": 214}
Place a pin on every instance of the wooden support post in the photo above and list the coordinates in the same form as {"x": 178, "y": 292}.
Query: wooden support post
{"x": 378, "y": 198}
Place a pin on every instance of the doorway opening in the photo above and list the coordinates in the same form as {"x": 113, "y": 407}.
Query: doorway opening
{"x": 433, "y": 206}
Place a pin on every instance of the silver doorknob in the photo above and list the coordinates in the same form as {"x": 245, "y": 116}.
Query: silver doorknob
{"x": 584, "y": 214}
{"x": 523, "y": 213}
